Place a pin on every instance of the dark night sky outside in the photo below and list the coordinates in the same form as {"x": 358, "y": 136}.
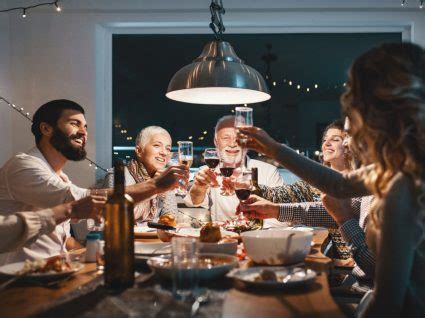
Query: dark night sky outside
{"x": 144, "y": 64}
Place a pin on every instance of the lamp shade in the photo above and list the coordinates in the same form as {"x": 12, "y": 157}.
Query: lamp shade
{"x": 219, "y": 77}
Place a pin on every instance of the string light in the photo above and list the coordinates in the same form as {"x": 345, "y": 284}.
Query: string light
{"x": 26, "y": 115}
{"x": 58, "y": 8}
{"x": 25, "y": 9}
{"x": 421, "y": 3}
{"x": 205, "y": 132}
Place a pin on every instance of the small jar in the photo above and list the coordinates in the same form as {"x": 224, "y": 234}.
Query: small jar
{"x": 91, "y": 247}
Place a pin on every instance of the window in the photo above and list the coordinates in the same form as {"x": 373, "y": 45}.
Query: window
{"x": 305, "y": 73}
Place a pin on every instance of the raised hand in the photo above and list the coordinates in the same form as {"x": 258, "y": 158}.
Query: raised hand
{"x": 256, "y": 139}
{"x": 89, "y": 207}
{"x": 171, "y": 178}
{"x": 256, "y": 207}
{"x": 340, "y": 209}
{"x": 206, "y": 178}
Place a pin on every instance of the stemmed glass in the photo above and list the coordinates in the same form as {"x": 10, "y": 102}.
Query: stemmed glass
{"x": 227, "y": 166}
{"x": 184, "y": 157}
{"x": 243, "y": 187}
{"x": 174, "y": 161}
{"x": 243, "y": 118}
{"x": 212, "y": 158}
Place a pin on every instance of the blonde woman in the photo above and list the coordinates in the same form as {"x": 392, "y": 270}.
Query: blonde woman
{"x": 385, "y": 103}
{"x": 153, "y": 148}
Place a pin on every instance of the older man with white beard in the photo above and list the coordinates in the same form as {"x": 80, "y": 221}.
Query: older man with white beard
{"x": 206, "y": 183}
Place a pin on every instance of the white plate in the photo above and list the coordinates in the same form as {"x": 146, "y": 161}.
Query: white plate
{"x": 13, "y": 269}
{"x": 298, "y": 277}
{"x": 162, "y": 266}
{"x": 151, "y": 249}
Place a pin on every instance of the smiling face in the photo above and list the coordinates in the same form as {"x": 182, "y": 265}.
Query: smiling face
{"x": 333, "y": 147}
{"x": 225, "y": 141}
{"x": 155, "y": 153}
{"x": 69, "y": 137}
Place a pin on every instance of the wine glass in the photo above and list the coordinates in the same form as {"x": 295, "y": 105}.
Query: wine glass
{"x": 227, "y": 166}
{"x": 212, "y": 158}
{"x": 243, "y": 185}
{"x": 185, "y": 155}
{"x": 243, "y": 118}
{"x": 174, "y": 161}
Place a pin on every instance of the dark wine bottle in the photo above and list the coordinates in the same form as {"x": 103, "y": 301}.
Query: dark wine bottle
{"x": 257, "y": 191}
{"x": 119, "y": 234}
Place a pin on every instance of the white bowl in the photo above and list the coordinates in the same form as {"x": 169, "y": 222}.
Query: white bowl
{"x": 228, "y": 247}
{"x": 277, "y": 247}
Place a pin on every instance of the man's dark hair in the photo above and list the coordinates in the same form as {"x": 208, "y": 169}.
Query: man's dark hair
{"x": 50, "y": 113}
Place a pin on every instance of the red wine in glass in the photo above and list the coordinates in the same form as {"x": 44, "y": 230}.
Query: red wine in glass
{"x": 212, "y": 162}
{"x": 226, "y": 171}
{"x": 243, "y": 194}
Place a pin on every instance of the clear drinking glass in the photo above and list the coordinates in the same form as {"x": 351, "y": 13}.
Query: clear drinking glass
{"x": 174, "y": 161}
{"x": 185, "y": 267}
{"x": 243, "y": 117}
{"x": 100, "y": 256}
{"x": 185, "y": 152}
{"x": 97, "y": 226}
{"x": 212, "y": 158}
{"x": 227, "y": 167}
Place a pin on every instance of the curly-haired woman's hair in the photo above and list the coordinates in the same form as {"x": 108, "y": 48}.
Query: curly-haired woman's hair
{"x": 385, "y": 102}
{"x": 348, "y": 156}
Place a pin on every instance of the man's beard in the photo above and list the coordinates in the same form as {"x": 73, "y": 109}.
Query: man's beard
{"x": 62, "y": 143}
{"x": 228, "y": 158}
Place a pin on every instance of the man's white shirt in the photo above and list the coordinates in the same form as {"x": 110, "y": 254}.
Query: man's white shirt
{"x": 224, "y": 207}
{"x": 28, "y": 183}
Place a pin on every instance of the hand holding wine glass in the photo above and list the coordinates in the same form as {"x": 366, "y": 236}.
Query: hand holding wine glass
{"x": 227, "y": 166}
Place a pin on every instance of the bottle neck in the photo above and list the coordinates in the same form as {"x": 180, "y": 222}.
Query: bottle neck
{"x": 119, "y": 181}
{"x": 255, "y": 177}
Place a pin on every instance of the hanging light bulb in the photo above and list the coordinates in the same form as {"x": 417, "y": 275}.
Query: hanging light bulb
{"x": 58, "y": 8}
{"x": 24, "y": 13}
{"x": 218, "y": 76}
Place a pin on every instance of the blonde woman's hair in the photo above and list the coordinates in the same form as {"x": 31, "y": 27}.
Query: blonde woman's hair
{"x": 385, "y": 102}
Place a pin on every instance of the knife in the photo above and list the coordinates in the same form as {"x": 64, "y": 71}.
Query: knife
{"x": 161, "y": 226}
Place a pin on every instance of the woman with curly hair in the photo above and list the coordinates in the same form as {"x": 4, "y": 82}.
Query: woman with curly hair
{"x": 299, "y": 203}
{"x": 385, "y": 104}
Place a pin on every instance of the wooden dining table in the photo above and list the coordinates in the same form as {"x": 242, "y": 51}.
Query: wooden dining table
{"x": 83, "y": 294}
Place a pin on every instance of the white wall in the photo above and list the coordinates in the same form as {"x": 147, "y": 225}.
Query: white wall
{"x": 49, "y": 55}
{"x": 5, "y": 113}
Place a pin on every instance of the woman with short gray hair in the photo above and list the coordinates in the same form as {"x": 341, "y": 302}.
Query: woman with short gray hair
{"x": 153, "y": 148}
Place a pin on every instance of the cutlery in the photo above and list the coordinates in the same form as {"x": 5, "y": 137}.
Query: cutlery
{"x": 203, "y": 298}
{"x": 161, "y": 226}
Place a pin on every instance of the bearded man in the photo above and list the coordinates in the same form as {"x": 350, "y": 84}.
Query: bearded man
{"x": 206, "y": 183}
{"x": 34, "y": 180}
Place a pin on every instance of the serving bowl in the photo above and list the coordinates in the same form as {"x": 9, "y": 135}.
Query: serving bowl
{"x": 277, "y": 247}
